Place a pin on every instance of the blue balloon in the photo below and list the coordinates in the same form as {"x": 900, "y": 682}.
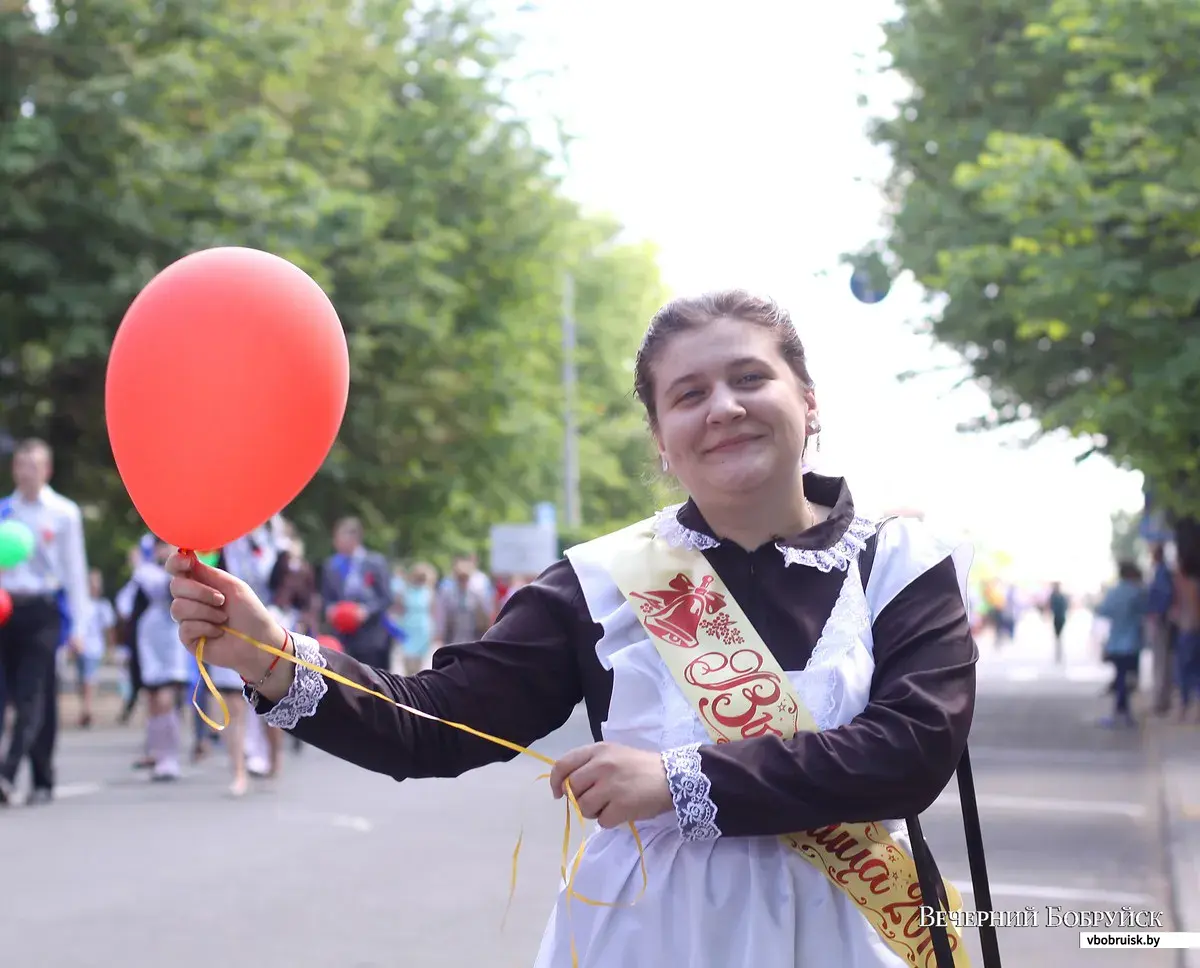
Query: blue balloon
{"x": 864, "y": 290}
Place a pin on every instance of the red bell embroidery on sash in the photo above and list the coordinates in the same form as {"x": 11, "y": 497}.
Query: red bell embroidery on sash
{"x": 674, "y": 614}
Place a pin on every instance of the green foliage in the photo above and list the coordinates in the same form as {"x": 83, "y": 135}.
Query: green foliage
{"x": 1045, "y": 183}
{"x": 372, "y": 145}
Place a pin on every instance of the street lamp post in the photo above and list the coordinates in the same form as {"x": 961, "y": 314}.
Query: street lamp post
{"x": 570, "y": 442}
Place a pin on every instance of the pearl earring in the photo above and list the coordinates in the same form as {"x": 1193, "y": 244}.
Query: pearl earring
{"x": 664, "y": 460}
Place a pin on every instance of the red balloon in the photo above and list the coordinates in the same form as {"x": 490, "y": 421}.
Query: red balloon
{"x": 330, "y": 643}
{"x": 6, "y": 606}
{"x": 344, "y": 617}
{"x": 226, "y": 387}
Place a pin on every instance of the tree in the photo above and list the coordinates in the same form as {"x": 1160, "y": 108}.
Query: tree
{"x": 372, "y": 145}
{"x": 617, "y": 291}
{"x": 1044, "y": 190}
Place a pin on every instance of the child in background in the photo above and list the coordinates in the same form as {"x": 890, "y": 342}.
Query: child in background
{"x": 98, "y": 637}
{"x": 164, "y": 663}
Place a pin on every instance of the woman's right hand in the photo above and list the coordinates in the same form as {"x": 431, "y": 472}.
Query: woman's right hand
{"x": 206, "y": 598}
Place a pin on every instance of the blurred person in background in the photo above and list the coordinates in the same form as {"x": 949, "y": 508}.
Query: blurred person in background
{"x": 163, "y": 663}
{"x": 477, "y": 580}
{"x": 294, "y": 589}
{"x": 354, "y": 576}
{"x": 99, "y": 637}
{"x": 1125, "y": 609}
{"x": 1059, "y": 605}
{"x": 124, "y": 601}
{"x": 51, "y": 606}
{"x": 253, "y": 558}
{"x": 464, "y": 604}
{"x": 418, "y": 619}
{"x": 1160, "y": 628}
{"x": 293, "y": 580}
{"x": 1187, "y": 646}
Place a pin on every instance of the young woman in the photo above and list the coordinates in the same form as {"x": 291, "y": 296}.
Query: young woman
{"x": 418, "y": 620}
{"x": 762, "y": 709}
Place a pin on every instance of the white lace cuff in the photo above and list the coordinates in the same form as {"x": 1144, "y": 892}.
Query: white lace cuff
{"x": 307, "y": 690}
{"x": 689, "y": 787}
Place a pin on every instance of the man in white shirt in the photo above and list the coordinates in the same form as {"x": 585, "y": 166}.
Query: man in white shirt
{"x": 50, "y": 606}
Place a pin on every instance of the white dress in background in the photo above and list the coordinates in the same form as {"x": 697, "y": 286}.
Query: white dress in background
{"x": 162, "y": 658}
{"x": 254, "y": 567}
{"x": 163, "y": 662}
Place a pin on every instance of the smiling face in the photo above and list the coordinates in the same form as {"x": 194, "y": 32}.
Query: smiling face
{"x": 731, "y": 416}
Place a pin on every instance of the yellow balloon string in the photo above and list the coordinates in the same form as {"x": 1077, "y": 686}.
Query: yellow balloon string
{"x": 569, "y": 866}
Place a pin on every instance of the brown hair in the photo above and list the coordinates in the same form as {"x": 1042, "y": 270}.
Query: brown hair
{"x": 31, "y": 445}
{"x": 423, "y": 574}
{"x": 1129, "y": 571}
{"x": 692, "y": 311}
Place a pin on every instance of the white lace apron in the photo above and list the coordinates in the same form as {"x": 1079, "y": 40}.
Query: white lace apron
{"x": 713, "y": 901}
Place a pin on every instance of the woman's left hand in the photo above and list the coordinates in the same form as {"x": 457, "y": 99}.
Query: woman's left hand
{"x": 614, "y": 785}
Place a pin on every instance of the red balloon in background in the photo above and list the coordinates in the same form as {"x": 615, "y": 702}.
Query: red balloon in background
{"x": 344, "y": 617}
{"x": 6, "y": 606}
{"x": 226, "y": 387}
{"x": 330, "y": 643}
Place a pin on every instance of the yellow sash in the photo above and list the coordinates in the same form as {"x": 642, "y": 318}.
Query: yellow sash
{"x": 739, "y": 691}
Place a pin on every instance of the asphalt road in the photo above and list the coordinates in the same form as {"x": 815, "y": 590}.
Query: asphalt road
{"x": 332, "y": 867}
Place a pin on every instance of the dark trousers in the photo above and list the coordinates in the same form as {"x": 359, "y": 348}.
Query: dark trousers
{"x": 1187, "y": 671}
{"x": 135, "y": 680}
{"x": 1125, "y": 666}
{"x": 370, "y": 645}
{"x": 28, "y": 642}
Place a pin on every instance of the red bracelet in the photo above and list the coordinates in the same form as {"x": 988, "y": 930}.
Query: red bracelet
{"x": 287, "y": 640}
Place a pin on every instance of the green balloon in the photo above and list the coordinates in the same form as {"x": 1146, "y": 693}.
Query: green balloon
{"x": 16, "y": 543}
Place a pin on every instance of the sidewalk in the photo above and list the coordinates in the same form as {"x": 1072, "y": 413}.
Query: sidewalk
{"x": 1178, "y": 749}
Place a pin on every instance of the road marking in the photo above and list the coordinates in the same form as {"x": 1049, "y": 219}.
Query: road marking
{"x": 69, "y": 790}
{"x": 1066, "y": 895}
{"x": 1057, "y": 757}
{"x": 66, "y": 791}
{"x": 998, "y": 672}
{"x": 1008, "y": 754}
{"x": 343, "y": 820}
{"x": 1050, "y": 805}
{"x": 360, "y": 824}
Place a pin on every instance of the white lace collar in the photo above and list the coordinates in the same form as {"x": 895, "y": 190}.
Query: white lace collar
{"x": 845, "y": 550}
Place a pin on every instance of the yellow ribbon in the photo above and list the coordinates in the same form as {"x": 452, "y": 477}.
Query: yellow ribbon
{"x": 569, "y": 866}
